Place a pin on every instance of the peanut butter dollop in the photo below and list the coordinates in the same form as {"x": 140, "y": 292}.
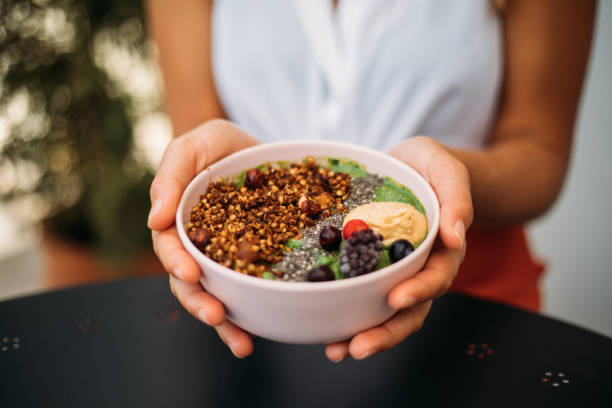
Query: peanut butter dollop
{"x": 392, "y": 220}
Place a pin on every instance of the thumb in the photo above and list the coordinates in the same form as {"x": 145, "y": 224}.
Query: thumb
{"x": 184, "y": 158}
{"x": 449, "y": 178}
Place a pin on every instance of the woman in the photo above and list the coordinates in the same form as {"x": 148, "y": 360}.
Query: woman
{"x": 494, "y": 87}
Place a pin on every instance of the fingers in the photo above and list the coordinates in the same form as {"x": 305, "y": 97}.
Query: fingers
{"x": 430, "y": 283}
{"x": 337, "y": 351}
{"x": 414, "y": 298}
{"x": 172, "y": 254}
{"x": 184, "y": 158}
{"x": 210, "y": 311}
{"x": 450, "y": 180}
{"x": 389, "y": 333}
{"x": 239, "y": 341}
{"x": 380, "y": 338}
{"x": 197, "y": 302}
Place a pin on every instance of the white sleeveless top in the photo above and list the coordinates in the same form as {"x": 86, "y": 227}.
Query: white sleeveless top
{"x": 370, "y": 72}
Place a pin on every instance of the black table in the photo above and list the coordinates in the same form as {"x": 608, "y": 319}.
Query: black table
{"x": 130, "y": 344}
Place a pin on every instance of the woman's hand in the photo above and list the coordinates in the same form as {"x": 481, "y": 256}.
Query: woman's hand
{"x": 413, "y": 297}
{"x": 183, "y": 159}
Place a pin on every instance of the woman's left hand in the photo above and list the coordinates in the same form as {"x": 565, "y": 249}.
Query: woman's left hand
{"x": 413, "y": 297}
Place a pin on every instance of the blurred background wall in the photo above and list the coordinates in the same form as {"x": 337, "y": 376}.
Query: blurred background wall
{"x": 575, "y": 238}
{"x": 82, "y": 131}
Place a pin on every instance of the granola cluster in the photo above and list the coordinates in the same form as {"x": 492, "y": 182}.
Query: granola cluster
{"x": 246, "y": 227}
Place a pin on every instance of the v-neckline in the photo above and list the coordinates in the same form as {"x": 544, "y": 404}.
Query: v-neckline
{"x": 320, "y": 23}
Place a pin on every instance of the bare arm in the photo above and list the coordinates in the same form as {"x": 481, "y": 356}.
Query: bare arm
{"x": 182, "y": 35}
{"x": 547, "y": 46}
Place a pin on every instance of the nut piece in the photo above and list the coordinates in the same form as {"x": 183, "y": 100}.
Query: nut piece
{"x": 200, "y": 237}
{"x": 254, "y": 178}
{"x": 247, "y": 251}
{"x": 324, "y": 200}
{"x": 309, "y": 207}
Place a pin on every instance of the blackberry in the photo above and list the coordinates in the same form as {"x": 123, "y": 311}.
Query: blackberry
{"x": 360, "y": 253}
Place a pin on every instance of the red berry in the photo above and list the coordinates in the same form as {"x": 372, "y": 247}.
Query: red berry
{"x": 353, "y": 226}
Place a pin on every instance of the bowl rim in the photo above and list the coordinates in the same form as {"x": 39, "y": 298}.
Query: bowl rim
{"x": 291, "y": 286}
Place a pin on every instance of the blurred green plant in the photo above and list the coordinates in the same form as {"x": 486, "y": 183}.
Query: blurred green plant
{"x": 72, "y": 151}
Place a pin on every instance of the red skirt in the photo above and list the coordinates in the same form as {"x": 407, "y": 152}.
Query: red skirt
{"x": 498, "y": 266}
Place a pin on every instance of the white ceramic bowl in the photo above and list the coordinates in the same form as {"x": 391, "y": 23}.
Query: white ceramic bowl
{"x": 306, "y": 312}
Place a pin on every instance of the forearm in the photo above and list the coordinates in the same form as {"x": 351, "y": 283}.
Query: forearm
{"x": 513, "y": 182}
{"x": 182, "y": 36}
{"x": 518, "y": 176}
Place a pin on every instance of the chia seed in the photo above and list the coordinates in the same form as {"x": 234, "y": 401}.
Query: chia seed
{"x": 363, "y": 191}
{"x": 296, "y": 263}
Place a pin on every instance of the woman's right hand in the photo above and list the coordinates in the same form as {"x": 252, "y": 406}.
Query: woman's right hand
{"x": 183, "y": 159}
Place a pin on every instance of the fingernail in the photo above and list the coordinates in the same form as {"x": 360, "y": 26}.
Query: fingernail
{"x": 336, "y": 360}
{"x": 460, "y": 232}
{"x": 366, "y": 354}
{"x": 405, "y": 302}
{"x": 233, "y": 352}
{"x": 202, "y": 316}
{"x": 157, "y": 204}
